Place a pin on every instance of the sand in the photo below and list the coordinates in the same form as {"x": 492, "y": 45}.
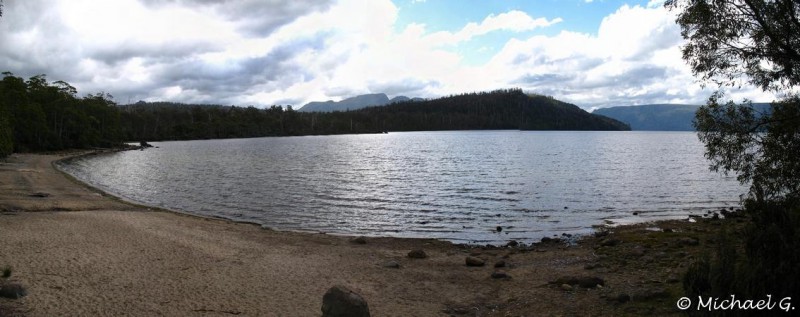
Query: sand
{"x": 82, "y": 253}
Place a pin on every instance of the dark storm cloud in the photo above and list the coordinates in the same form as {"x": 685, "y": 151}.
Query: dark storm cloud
{"x": 227, "y": 81}
{"x": 256, "y": 18}
{"x": 34, "y": 39}
{"x": 151, "y": 53}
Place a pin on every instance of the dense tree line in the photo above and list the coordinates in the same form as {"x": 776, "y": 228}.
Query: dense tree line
{"x": 501, "y": 109}
{"x": 37, "y": 115}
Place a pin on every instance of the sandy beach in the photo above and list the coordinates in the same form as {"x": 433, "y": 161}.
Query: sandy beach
{"x": 81, "y": 253}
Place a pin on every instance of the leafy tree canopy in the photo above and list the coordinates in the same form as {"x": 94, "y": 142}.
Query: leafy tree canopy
{"x": 730, "y": 42}
{"x": 733, "y": 40}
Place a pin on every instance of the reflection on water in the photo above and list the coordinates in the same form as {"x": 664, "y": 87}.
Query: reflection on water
{"x": 457, "y": 186}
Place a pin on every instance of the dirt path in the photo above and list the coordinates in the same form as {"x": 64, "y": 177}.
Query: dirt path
{"x": 80, "y": 253}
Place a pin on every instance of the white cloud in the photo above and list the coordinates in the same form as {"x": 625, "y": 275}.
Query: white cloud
{"x": 254, "y": 52}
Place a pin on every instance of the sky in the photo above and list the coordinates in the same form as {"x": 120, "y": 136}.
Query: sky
{"x": 593, "y": 53}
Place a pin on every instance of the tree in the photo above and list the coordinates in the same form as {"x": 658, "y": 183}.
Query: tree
{"x": 730, "y": 42}
{"x": 733, "y": 40}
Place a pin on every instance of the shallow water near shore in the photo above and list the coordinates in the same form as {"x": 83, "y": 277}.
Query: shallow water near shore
{"x": 458, "y": 186}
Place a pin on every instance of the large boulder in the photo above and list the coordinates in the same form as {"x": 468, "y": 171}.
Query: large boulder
{"x": 339, "y": 301}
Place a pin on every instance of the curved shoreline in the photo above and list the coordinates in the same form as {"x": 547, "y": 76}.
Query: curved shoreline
{"x": 81, "y": 253}
{"x": 131, "y": 202}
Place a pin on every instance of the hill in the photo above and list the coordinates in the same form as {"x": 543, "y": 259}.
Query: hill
{"x": 354, "y": 103}
{"x": 502, "y": 109}
{"x": 659, "y": 117}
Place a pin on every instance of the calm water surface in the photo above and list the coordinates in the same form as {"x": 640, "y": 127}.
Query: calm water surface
{"x": 457, "y": 186}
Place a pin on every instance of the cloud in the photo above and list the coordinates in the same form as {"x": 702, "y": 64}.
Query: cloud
{"x": 279, "y": 52}
{"x": 633, "y": 59}
{"x": 514, "y": 21}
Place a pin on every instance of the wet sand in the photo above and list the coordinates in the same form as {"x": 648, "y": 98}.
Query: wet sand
{"x": 82, "y": 253}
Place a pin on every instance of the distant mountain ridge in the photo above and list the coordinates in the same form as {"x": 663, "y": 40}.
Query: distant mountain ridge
{"x": 354, "y": 103}
{"x": 659, "y": 117}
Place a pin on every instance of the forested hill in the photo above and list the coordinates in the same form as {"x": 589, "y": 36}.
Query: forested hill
{"x": 37, "y": 115}
{"x": 502, "y": 109}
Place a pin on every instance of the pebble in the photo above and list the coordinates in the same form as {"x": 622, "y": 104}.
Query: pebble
{"x": 12, "y": 290}
{"x": 473, "y": 261}
{"x": 417, "y": 254}
{"x": 688, "y": 241}
{"x": 566, "y": 287}
{"x": 359, "y": 240}
{"x": 610, "y": 242}
{"x": 500, "y": 274}
{"x": 392, "y": 265}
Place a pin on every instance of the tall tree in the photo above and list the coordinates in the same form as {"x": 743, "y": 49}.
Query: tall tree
{"x": 731, "y": 42}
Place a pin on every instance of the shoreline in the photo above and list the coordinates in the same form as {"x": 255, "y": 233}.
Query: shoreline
{"x": 587, "y": 228}
{"x": 84, "y": 253}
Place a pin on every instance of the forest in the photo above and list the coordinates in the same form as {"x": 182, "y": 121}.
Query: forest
{"x": 36, "y": 115}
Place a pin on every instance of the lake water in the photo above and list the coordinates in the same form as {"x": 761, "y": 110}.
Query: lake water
{"x": 458, "y": 186}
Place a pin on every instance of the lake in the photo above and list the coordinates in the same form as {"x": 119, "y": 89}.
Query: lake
{"x": 457, "y": 186}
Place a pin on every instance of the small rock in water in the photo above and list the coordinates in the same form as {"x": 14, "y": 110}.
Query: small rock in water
{"x": 417, "y": 254}
{"x": 473, "y": 261}
{"x": 340, "y": 301}
{"x": 359, "y": 240}
{"x": 635, "y": 213}
{"x": 512, "y": 243}
{"x": 565, "y": 208}
{"x": 499, "y": 229}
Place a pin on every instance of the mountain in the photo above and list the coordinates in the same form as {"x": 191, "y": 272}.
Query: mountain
{"x": 354, "y": 103}
{"x": 660, "y": 117}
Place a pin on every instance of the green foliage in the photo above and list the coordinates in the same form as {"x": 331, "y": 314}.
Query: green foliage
{"x": 6, "y": 132}
{"x": 729, "y": 41}
{"x": 757, "y": 41}
{"x": 43, "y": 116}
{"x": 767, "y": 265}
{"x": 760, "y": 148}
